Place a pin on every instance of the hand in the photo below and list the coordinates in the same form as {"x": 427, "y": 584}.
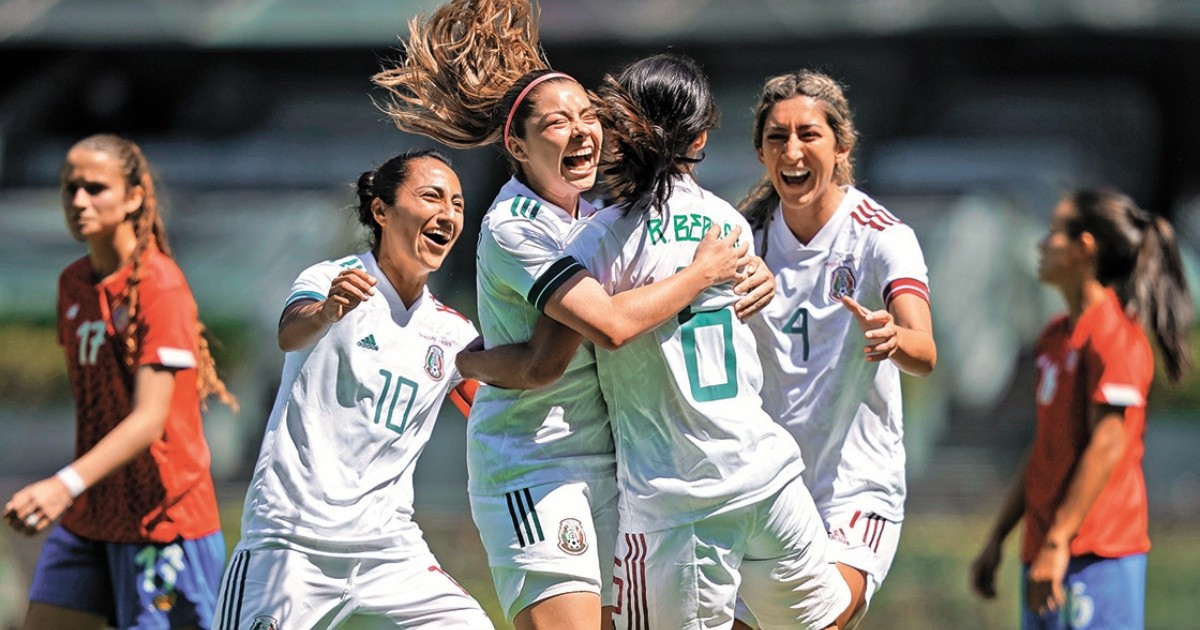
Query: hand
{"x": 36, "y": 506}
{"x": 721, "y": 259}
{"x": 757, "y": 290}
{"x": 349, "y": 288}
{"x": 983, "y": 571}
{"x": 1044, "y": 584}
{"x": 878, "y": 328}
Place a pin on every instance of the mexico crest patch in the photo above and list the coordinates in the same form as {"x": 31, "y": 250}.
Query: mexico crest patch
{"x": 841, "y": 281}
{"x": 435, "y": 360}
{"x": 571, "y": 537}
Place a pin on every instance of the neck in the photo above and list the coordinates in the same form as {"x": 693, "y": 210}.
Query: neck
{"x": 570, "y": 203}
{"x": 806, "y": 220}
{"x": 408, "y": 286}
{"x": 1081, "y": 297}
{"x": 110, "y": 254}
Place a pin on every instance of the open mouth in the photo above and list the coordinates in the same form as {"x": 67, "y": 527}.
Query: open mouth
{"x": 580, "y": 160}
{"x": 795, "y": 177}
{"x": 440, "y": 235}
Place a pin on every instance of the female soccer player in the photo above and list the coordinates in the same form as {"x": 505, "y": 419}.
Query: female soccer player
{"x": 710, "y": 486}
{"x": 327, "y": 529}
{"x": 1081, "y": 491}
{"x": 140, "y": 543}
{"x": 851, "y": 312}
{"x": 541, "y": 463}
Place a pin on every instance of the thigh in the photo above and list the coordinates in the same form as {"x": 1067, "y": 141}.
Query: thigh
{"x": 430, "y": 598}
{"x": 789, "y": 578}
{"x": 72, "y": 573}
{"x": 271, "y": 588}
{"x": 543, "y": 541}
{"x": 167, "y": 585}
{"x": 684, "y": 577}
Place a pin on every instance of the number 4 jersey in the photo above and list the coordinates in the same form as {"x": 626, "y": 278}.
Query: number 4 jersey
{"x": 353, "y": 413}
{"x": 692, "y": 438}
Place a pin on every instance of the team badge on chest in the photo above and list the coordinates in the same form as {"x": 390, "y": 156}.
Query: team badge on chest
{"x": 842, "y": 281}
{"x": 571, "y": 537}
{"x": 120, "y": 317}
{"x": 435, "y": 361}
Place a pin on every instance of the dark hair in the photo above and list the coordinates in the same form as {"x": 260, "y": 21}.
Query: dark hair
{"x": 148, "y": 228}
{"x": 652, "y": 112}
{"x": 383, "y": 182}
{"x": 759, "y": 203}
{"x": 462, "y": 70}
{"x": 1137, "y": 255}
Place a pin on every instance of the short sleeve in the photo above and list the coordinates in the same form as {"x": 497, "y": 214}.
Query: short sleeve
{"x": 168, "y": 320}
{"x": 900, "y": 264}
{"x": 313, "y": 283}
{"x": 1112, "y": 372}
{"x": 522, "y": 255}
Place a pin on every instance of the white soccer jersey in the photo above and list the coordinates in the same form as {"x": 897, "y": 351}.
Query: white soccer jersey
{"x": 692, "y": 438}
{"x": 352, "y": 415}
{"x": 522, "y": 438}
{"x": 844, "y": 411}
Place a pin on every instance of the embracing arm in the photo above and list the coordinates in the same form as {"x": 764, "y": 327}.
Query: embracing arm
{"x": 612, "y": 321}
{"x": 529, "y": 365}
{"x": 153, "y": 388}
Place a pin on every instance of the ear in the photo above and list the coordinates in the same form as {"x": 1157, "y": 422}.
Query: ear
{"x": 698, "y": 144}
{"x": 759, "y": 151}
{"x": 1088, "y": 243}
{"x": 516, "y": 148}
{"x": 133, "y": 200}
{"x": 379, "y": 212}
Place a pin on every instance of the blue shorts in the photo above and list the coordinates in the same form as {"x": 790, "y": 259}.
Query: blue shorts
{"x": 132, "y": 585}
{"x": 1100, "y": 592}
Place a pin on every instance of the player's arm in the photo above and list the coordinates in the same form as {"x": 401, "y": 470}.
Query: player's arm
{"x": 612, "y": 321}
{"x": 529, "y": 365}
{"x": 48, "y": 498}
{"x": 305, "y": 321}
{"x": 1104, "y": 449}
{"x": 983, "y": 569}
{"x": 903, "y": 333}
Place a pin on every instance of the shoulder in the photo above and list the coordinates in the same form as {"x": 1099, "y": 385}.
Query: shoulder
{"x": 1056, "y": 327}
{"x": 160, "y": 272}
{"x": 516, "y": 208}
{"x": 80, "y": 269}
{"x": 452, "y": 320}
{"x": 870, "y": 214}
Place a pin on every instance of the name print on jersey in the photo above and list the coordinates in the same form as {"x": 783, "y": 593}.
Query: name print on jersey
{"x": 684, "y": 227}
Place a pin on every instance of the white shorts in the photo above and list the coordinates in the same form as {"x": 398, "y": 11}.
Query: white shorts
{"x": 275, "y": 587}
{"x": 773, "y": 552}
{"x": 548, "y": 540}
{"x": 863, "y": 540}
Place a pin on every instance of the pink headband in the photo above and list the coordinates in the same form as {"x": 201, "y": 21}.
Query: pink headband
{"x": 524, "y": 93}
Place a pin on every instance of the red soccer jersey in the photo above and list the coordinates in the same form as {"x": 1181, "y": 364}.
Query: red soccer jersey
{"x": 167, "y": 491}
{"x": 1106, "y": 359}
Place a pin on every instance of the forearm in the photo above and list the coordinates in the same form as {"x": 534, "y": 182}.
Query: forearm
{"x": 916, "y": 352}
{"x": 1013, "y": 508}
{"x": 508, "y": 366}
{"x": 302, "y": 324}
{"x": 1095, "y": 466}
{"x": 640, "y": 310}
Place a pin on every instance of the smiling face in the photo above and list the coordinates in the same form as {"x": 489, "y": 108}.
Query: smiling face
{"x": 558, "y": 145}
{"x": 800, "y": 153}
{"x": 95, "y": 198}
{"x": 421, "y": 227}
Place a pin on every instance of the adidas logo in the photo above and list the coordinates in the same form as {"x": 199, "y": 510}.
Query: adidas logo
{"x": 368, "y": 342}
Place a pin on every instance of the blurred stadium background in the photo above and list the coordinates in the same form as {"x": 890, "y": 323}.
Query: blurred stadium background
{"x": 974, "y": 114}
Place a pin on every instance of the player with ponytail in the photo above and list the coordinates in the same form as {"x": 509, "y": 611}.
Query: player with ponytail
{"x": 140, "y": 541}
{"x": 1081, "y": 492}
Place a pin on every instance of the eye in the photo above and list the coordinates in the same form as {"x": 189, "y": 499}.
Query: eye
{"x": 590, "y": 116}
{"x": 94, "y": 189}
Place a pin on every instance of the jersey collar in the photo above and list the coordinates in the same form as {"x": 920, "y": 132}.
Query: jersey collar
{"x": 513, "y": 187}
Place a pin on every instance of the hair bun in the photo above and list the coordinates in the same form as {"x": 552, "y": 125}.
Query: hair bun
{"x": 366, "y": 185}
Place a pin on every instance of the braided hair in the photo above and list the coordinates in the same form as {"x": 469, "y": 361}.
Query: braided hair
{"x": 149, "y": 229}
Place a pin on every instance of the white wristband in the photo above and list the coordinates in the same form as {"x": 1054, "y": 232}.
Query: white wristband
{"x": 72, "y": 481}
